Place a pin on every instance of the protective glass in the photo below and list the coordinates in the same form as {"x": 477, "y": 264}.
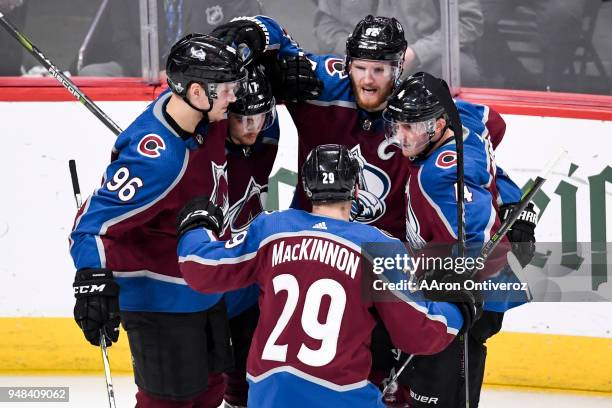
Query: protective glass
{"x": 236, "y": 89}
{"x": 377, "y": 70}
{"x": 255, "y": 123}
{"x": 412, "y": 138}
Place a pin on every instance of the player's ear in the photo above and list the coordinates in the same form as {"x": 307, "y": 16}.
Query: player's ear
{"x": 195, "y": 93}
{"x": 195, "y": 90}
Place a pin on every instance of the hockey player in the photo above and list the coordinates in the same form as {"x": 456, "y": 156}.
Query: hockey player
{"x": 311, "y": 346}
{"x": 420, "y": 124}
{"x": 124, "y": 245}
{"x": 349, "y": 107}
{"x": 251, "y": 146}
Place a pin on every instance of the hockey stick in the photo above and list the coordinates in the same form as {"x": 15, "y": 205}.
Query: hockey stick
{"x": 57, "y": 74}
{"x": 441, "y": 90}
{"x": 107, "y": 371}
{"x": 75, "y": 183}
{"x": 488, "y": 248}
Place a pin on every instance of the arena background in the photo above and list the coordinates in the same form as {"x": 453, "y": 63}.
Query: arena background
{"x": 556, "y": 345}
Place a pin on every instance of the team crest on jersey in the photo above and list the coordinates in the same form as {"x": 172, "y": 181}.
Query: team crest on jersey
{"x": 214, "y": 15}
{"x": 446, "y": 159}
{"x": 219, "y": 173}
{"x": 150, "y": 145}
{"x": 374, "y": 186}
{"x": 247, "y": 207}
{"x": 413, "y": 228}
{"x": 335, "y": 66}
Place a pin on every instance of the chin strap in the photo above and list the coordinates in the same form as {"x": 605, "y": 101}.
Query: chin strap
{"x": 210, "y": 101}
{"x": 204, "y": 111}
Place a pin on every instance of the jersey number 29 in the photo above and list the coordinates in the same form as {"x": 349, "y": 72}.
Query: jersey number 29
{"x": 327, "y": 332}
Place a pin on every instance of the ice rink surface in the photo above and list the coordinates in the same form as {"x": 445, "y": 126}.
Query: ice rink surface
{"x": 90, "y": 392}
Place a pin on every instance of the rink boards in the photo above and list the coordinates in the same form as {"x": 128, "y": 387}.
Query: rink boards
{"x": 555, "y": 345}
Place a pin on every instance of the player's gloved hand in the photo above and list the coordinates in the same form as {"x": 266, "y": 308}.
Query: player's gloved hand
{"x": 293, "y": 78}
{"x": 469, "y": 302}
{"x": 245, "y": 34}
{"x": 97, "y": 304}
{"x": 522, "y": 233}
{"x": 200, "y": 212}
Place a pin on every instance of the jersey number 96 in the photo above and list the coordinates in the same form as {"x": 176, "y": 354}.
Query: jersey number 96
{"x": 127, "y": 186}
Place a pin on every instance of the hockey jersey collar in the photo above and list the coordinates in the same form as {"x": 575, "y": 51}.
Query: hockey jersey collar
{"x": 371, "y": 121}
{"x": 201, "y": 128}
{"x": 193, "y": 139}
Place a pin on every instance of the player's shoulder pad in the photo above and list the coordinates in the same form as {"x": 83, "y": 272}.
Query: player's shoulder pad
{"x": 473, "y": 116}
{"x": 329, "y": 69}
{"x": 384, "y": 235}
{"x": 441, "y": 162}
{"x": 439, "y": 169}
{"x": 263, "y": 222}
{"x": 150, "y": 142}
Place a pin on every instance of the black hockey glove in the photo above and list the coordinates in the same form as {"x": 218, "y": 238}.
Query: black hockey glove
{"x": 293, "y": 78}
{"x": 97, "y": 304}
{"x": 522, "y": 233}
{"x": 469, "y": 302}
{"x": 241, "y": 32}
{"x": 199, "y": 213}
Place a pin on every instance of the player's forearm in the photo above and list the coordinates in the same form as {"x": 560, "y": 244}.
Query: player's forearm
{"x": 209, "y": 267}
{"x": 421, "y": 328}
{"x": 276, "y": 37}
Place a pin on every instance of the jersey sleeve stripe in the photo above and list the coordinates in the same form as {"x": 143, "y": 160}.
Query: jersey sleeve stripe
{"x": 218, "y": 255}
{"x": 78, "y": 220}
{"x": 452, "y": 327}
{"x": 344, "y": 104}
{"x": 122, "y": 217}
{"x": 217, "y": 262}
{"x": 150, "y": 274}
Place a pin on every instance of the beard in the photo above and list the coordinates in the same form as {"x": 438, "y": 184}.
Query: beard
{"x": 371, "y": 104}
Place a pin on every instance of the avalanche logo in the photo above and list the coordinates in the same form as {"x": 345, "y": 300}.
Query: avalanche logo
{"x": 220, "y": 176}
{"x": 243, "y": 211}
{"x": 413, "y": 228}
{"x": 374, "y": 186}
{"x": 446, "y": 159}
{"x": 335, "y": 66}
{"x": 150, "y": 145}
